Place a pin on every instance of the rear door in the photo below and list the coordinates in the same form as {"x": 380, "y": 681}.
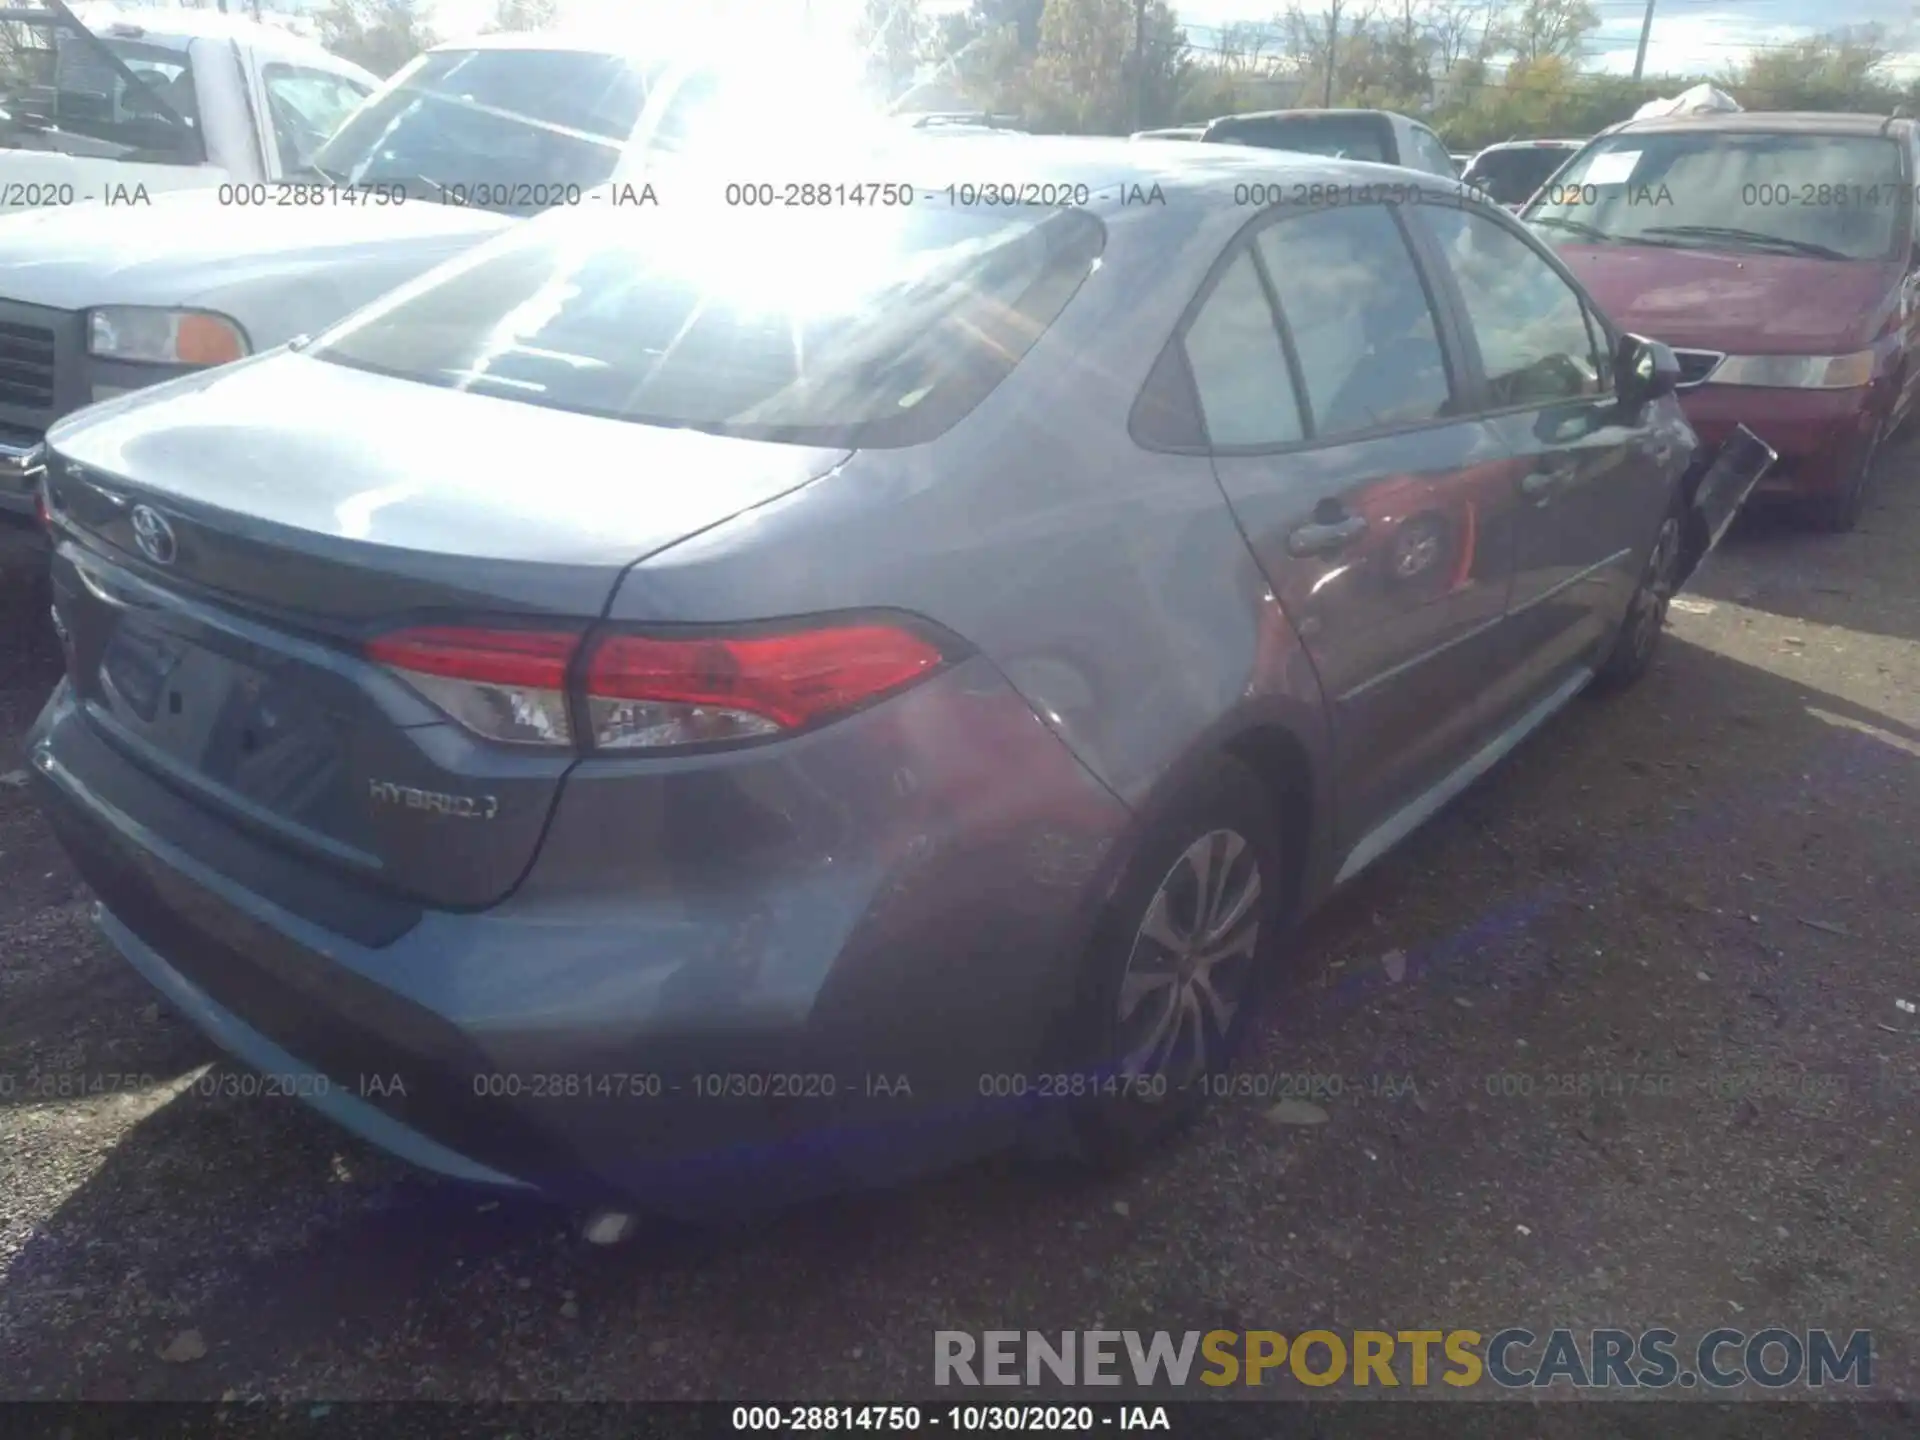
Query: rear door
{"x": 1593, "y": 479}
{"x": 1381, "y": 516}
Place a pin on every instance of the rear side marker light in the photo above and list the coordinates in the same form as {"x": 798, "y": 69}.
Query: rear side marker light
{"x": 644, "y": 692}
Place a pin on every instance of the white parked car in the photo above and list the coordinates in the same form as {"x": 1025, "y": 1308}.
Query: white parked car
{"x": 106, "y": 102}
{"x": 99, "y": 299}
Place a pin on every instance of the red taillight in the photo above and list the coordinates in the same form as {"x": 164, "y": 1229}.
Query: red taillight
{"x": 647, "y": 692}
{"x": 530, "y": 658}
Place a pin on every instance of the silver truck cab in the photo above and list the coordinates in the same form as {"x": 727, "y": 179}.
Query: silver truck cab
{"x": 101, "y": 100}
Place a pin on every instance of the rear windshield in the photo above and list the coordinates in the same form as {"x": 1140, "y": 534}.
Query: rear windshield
{"x": 60, "y": 93}
{"x": 1509, "y": 177}
{"x": 1831, "y": 197}
{"x": 1342, "y": 136}
{"x": 467, "y": 118}
{"x": 813, "y": 326}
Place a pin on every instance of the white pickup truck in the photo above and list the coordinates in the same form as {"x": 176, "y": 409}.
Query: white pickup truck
{"x": 98, "y": 299}
{"x": 97, "y": 102}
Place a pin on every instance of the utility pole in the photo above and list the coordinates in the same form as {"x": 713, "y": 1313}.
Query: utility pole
{"x": 1333, "y": 49}
{"x": 1646, "y": 29}
{"x": 1139, "y": 64}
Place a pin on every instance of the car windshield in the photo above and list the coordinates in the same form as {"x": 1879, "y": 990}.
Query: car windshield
{"x": 463, "y": 120}
{"x": 1510, "y": 176}
{"x": 815, "y": 326}
{"x": 1341, "y": 136}
{"x": 58, "y": 92}
{"x": 1835, "y": 197}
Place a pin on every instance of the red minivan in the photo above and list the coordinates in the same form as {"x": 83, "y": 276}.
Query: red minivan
{"x": 1776, "y": 254}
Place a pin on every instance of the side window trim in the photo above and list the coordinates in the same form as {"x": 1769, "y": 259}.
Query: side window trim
{"x": 1459, "y": 355}
{"x": 1461, "y": 378}
{"x": 1471, "y": 388}
{"x": 1303, "y": 404}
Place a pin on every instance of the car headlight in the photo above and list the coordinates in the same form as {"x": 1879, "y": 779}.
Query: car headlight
{"x": 1796, "y": 372}
{"x": 152, "y": 336}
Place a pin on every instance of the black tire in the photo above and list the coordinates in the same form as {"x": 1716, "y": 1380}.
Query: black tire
{"x": 1840, "y": 512}
{"x": 1638, "y": 639}
{"x": 1133, "y": 1109}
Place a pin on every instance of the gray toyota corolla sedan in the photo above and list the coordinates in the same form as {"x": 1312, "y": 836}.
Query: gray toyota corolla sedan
{"x": 711, "y": 703}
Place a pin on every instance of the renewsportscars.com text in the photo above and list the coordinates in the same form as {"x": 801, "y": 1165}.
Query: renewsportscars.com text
{"x": 1513, "y": 1358}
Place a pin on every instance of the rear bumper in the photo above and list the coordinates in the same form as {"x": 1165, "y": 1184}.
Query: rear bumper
{"x": 689, "y": 1046}
{"x": 1817, "y": 434}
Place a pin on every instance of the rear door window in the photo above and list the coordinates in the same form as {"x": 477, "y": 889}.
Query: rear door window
{"x": 1239, "y": 367}
{"x": 1362, "y": 327}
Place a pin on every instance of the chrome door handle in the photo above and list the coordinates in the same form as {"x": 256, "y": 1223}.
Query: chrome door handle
{"x": 1321, "y": 536}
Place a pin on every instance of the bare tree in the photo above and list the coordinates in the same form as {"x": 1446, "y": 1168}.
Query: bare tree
{"x": 1459, "y": 30}
{"x": 1315, "y": 39}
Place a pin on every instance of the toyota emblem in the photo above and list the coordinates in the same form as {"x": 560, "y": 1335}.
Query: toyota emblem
{"x": 153, "y": 534}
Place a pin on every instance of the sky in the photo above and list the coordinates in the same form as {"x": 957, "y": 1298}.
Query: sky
{"x": 1688, "y": 35}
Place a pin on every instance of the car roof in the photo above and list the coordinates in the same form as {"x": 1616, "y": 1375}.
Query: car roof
{"x": 1810, "y": 122}
{"x": 581, "y": 41}
{"x": 1539, "y": 144}
{"x": 1299, "y": 113}
{"x": 1109, "y": 165}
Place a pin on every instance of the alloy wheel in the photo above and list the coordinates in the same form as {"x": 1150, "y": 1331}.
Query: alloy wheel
{"x": 1191, "y": 959}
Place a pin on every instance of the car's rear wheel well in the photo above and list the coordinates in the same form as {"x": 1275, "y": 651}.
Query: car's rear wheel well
{"x": 1274, "y": 755}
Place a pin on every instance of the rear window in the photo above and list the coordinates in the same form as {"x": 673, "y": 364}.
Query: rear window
{"x": 58, "y": 83}
{"x": 812, "y": 326}
{"x": 1341, "y": 135}
{"x": 485, "y": 117}
{"x": 1509, "y": 177}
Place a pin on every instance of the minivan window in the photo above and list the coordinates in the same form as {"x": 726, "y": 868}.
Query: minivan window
{"x": 1340, "y": 134}
{"x": 841, "y": 328}
{"x": 1532, "y": 330}
{"x": 1365, "y": 335}
{"x": 1831, "y": 197}
{"x": 1239, "y": 369}
{"x": 458, "y": 119}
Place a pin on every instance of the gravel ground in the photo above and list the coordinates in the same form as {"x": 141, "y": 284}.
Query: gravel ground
{"x": 1710, "y": 880}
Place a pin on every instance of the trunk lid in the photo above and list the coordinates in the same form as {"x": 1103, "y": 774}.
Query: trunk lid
{"x": 229, "y": 542}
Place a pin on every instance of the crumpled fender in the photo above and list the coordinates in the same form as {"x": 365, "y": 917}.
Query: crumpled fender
{"x": 1717, "y": 484}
